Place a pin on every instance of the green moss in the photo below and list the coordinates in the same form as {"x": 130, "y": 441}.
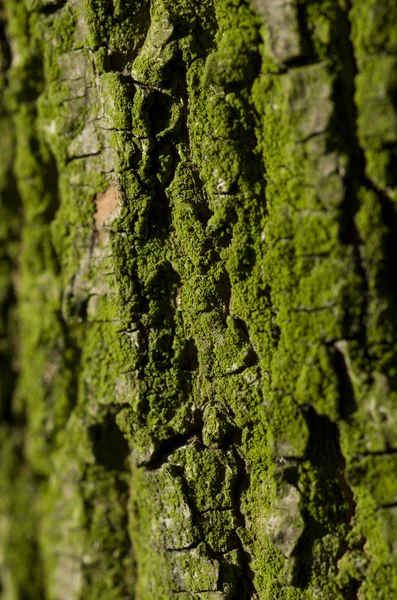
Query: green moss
{"x": 20, "y": 566}
{"x": 116, "y": 101}
{"x": 372, "y": 27}
{"x": 188, "y": 369}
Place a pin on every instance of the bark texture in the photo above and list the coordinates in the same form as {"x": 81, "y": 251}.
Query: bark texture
{"x": 198, "y": 299}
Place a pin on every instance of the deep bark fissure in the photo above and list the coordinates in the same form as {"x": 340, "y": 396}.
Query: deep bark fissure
{"x": 324, "y": 448}
{"x": 245, "y": 586}
{"x": 168, "y": 447}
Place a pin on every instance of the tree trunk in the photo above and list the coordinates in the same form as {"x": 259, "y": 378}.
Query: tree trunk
{"x": 198, "y": 299}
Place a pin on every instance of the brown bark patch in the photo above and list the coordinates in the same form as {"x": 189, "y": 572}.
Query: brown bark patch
{"x": 107, "y": 207}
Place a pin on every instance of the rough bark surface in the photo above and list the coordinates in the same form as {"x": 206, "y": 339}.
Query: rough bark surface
{"x": 198, "y": 299}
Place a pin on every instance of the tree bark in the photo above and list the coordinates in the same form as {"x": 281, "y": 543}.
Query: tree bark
{"x": 198, "y": 299}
